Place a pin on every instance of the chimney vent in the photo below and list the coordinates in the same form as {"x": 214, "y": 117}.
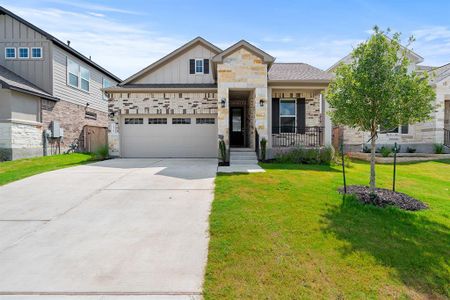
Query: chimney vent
{"x": 68, "y": 43}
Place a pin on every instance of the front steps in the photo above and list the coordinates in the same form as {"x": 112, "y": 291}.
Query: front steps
{"x": 242, "y": 160}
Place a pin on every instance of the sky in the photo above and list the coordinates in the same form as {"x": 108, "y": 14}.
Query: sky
{"x": 126, "y": 36}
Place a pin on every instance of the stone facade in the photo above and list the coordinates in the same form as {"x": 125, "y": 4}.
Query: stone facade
{"x": 20, "y": 140}
{"x": 72, "y": 119}
{"x": 243, "y": 70}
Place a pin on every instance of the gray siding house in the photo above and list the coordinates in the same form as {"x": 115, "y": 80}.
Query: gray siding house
{"x": 50, "y": 93}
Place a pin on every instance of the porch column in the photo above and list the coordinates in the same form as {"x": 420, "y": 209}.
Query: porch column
{"x": 262, "y": 112}
{"x": 327, "y": 123}
{"x": 223, "y": 126}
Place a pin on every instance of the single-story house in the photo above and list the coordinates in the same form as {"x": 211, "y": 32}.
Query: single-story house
{"x": 182, "y": 104}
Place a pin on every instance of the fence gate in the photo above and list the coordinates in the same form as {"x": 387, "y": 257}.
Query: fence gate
{"x": 94, "y": 137}
{"x": 337, "y": 137}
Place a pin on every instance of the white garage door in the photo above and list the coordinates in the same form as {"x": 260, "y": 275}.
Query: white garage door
{"x": 169, "y": 136}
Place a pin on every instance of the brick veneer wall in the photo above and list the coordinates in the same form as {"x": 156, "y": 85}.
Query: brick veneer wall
{"x": 72, "y": 119}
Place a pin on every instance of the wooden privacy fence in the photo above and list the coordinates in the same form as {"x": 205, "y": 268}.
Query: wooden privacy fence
{"x": 93, "y": 138}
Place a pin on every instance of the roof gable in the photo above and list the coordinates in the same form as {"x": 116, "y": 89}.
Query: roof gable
{"x": 171, "y": 56}
{"x": 267, "y": 58}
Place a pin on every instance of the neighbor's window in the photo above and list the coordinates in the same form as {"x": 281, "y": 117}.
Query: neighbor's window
{"x": 36, "y": 52}
{"x": 73, "y": 69}
{"x": 287, "y": 116}
{"x": 10, "y": 52}
{"x": 205, "y": 121}
{"x": 198, "y": 66}
{"x": 134, "y": 121}
{"x": 157, "y": 121}
{"x": 84, "y": 79}
{"x": 106, "y": 84}
{"x": 181, "y": 121}
{"x": 77, "y": 76}
{"x": 24, "y": 52}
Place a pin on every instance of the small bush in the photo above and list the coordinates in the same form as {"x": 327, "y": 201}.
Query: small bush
{"x": 438, "y": 148}
{"x": 411, "y": 150}
{"x": 366, "y": 149}
{"x": 102, "y": 152}
{"x": 306, "y": 156}
{"x": 223, "y": 151}
{"x": 385, "y": 151}
{"x": 337, "y": 160}
{"x": 263, "y": 149}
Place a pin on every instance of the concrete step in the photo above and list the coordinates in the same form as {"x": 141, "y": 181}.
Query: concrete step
{"x": 241, "y": 150}
{"x": 243, "y": 162}
{"x": 246, "y": 156}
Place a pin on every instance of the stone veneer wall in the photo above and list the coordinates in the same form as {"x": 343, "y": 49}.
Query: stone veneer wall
{"x": 157, "y": 103}
{"x": 20, "y": 140}
{"x": 313, "y": 116}
{"x": 72, "y": 119}
{"x": 243, "y": 70}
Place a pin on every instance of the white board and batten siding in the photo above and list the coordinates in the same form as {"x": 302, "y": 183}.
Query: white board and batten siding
{"x": 177, "y": 69}
{"x": 71, "y": 94}
{"x": 16, "y": 34}
{"x": 168, "y": 140}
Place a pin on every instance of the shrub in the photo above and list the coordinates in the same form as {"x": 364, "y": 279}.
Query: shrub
{"x": 411, "y": 150}
{"x": 438, "y": 148}
{"x": 263, "y": 149}
{"x": 306, "y": 156}
{"x": 223, "y": 150}
{"x": 102, "y": 152}
{"x": 366, "y": 149}
{"x": 385, "y": 151}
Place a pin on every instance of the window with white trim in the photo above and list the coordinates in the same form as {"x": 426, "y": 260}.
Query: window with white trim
{"x": 199, "y": 66}
{"x": 181, "y": 121}
{"x": 288, "y": 115}
{"x": 10, "y": 53}
{"x": 36, "y": 52}
{"x": 77, "y": 76}
{"x": 134, "y": 121}
{"x": 205, "y": 121}
{"x": 157, "y": 120}
{"x": 24, "y": 52}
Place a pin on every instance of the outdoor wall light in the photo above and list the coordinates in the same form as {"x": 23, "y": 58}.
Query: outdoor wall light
{"x": 261, "y": 102}
{"x": 223, "y": 101}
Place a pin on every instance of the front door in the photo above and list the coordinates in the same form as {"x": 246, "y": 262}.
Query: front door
{"x": 237, "y": 127}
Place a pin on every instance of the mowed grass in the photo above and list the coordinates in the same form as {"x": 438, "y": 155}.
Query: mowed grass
{"x": 18, "y": 169}
{"x": 287, "y": 234}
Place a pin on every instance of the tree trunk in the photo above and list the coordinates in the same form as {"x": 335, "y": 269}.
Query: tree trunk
{"x": 372, "y": 161}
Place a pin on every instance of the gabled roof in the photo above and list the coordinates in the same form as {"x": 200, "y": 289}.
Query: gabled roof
{"x": 4, "y": 11}
{"x": 297, "y": 72}
{"x": 173, "y": 54}
{"x": 440, "y": 73}
{"x": 12, "y": 81}
{"x": 244, "y": 44}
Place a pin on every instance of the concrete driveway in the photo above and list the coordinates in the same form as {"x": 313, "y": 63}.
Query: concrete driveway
{"x": 119, "y": 227}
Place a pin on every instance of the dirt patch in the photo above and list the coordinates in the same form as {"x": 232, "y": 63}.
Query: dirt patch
{"x": 384, "y": 197}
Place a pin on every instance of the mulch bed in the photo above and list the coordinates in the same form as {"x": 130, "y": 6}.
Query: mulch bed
{"x": 384, "y": 197}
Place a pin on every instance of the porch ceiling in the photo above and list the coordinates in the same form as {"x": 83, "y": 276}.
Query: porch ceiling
{"x": 239, "y": 95}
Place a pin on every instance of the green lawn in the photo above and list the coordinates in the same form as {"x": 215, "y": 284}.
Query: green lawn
{"x": 18, "y": 169}
{"x": 287, "y": 234}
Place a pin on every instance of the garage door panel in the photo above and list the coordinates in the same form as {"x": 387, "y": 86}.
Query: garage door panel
{"x": 168, "y": 140}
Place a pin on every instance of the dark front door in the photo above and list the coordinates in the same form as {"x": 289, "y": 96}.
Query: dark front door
{"x": 237, "y": 126}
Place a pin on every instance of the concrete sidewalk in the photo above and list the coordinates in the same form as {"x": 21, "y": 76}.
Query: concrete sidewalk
{"x": 125, "y": 227}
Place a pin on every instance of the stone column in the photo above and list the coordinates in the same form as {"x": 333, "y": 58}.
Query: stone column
{"x": 327, "y": 123}
{"x": 262, "y": 112}
{"x": 223, "y": 115}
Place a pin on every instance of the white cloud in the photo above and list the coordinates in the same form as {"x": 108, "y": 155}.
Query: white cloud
{"x": 121, "y": 48}
{"x": 433, "y": 43}
{"x": 95, "y": 7}
{"x": 96, "y": 14}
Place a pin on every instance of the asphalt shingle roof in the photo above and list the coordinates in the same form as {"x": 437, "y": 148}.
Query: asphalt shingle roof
{"x": 440, "y": 73}
{"x": 11, "y": 80}
{"x": 297, "y": 72}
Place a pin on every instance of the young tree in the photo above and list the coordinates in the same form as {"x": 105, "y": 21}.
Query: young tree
{"x": 376, "y": 90}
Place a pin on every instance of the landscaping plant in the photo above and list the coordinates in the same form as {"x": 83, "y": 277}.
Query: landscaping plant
{"x": 376, "y": 90}
{"x": 438, "y": 148}
{"x": 223, "y": 150}
{"x": 102, "y": 152}
{"x": 263, "y": 149}
{"x": 385, "y": 151}
{"x": 411, "y": 150}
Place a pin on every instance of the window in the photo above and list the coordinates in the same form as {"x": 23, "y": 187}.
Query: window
{"x": 157, "y": 121}
{"x": 24, "y": 53}
{"x": 90, "y": 115}
{"x": 73, "y": 69}
{"x": 134, "y": 121}
{"x": 404, "y": 129}
{"x": 181, "y": 121}
{"x": 36, "y": 52}
{"x": 205, "y": 121}
{"x": 10, "y": 52}
{"x": 106, "y": 84}
{"x": 77, "y": 76}
{"x": 84, "y": 79}
{"x": 199, "y": 66}
{"x": 287, "y": 116}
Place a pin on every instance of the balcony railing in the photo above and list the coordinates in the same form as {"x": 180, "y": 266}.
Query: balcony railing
{"x": 292, "y": 136}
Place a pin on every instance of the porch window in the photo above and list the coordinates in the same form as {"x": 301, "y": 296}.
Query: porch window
{"x": 287, "y": 115}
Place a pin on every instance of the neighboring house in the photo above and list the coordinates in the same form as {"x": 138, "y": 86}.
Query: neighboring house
{"x": 181, "y": 105}
{"x": 420, "y": 136}
{"x": 46, "y": 84}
